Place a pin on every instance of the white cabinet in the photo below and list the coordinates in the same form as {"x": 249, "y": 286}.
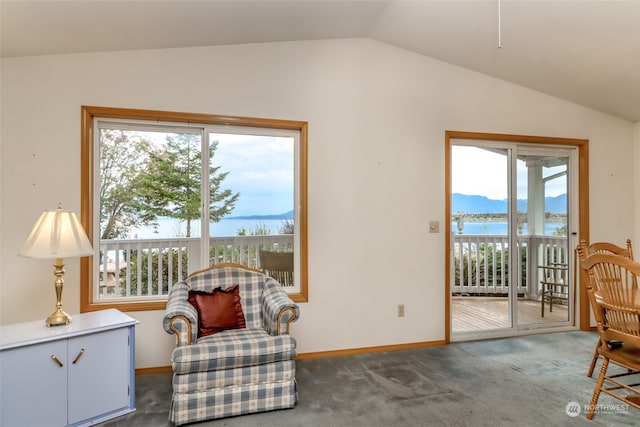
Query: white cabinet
{"x": 33, "y": 387}
{"x": 78, "y": 374}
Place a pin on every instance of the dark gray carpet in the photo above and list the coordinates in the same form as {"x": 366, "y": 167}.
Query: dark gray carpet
{"x": 524, "y": 381}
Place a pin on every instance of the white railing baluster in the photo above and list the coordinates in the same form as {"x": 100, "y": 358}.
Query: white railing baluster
{"x": 461, "y": 265}
{"x": 116, "y": 262}
{"x": 169, "y": 269}
{"x": 180, "y": 255}
{"x": 468, "y": 266}
{"x": 492, "y": 271}
{"x": 128, "y": 254}
{"x": 503, "y": 264}
{"x": 160, "y": 270}
{"x": 103, "y": 271}
{"x": 485, "y": 265}
{"x": 139, "y": 270}
{"x": 127, "y": 272}
{"x": 494, "y": 265}
{"x": 150, "y": 271}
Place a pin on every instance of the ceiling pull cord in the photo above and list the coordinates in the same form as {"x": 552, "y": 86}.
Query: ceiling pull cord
{"x": 499, "y": 25}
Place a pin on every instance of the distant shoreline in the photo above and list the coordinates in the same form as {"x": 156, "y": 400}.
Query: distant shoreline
{"x": 502, "y": 217}
{"x": 282, "y": 216}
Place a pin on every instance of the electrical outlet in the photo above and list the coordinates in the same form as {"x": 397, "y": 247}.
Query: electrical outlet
{"x": 400, "y": 310}
{"x": 434, "y": 226}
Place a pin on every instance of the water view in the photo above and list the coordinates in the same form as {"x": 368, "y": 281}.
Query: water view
{"x": 501, "y": 228}
{"x": 170, "y": 228}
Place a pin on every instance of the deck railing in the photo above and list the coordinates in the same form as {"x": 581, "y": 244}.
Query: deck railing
{"x": 481, "y": 263}
{"x": 149, "y": 267}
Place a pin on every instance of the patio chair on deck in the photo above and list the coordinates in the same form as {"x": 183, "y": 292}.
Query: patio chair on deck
{"x": 278, "y": 265}
{"x": 554, "y": 285}
{"x": 585, "y": 250}
{"x": 615, "y": 300}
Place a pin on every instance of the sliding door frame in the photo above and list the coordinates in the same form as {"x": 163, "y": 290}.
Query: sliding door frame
{"x": 583, "y": 205}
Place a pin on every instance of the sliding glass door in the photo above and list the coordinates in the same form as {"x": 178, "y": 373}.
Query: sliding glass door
{"x": 511, "y": 269}
{"x": 547, "y": 294}
{"x": 480, "y": 232}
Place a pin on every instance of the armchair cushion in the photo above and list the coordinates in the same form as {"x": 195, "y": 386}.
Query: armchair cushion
{"x": 236, "y": 377}
{"x": 218, "y": 310}
{"x": 234, "y": 348}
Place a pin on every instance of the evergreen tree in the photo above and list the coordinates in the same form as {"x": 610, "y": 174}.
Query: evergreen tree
{"x": 171, "y": 185}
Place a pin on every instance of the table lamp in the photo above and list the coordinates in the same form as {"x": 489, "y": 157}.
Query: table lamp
{"x": 56, "y": 235}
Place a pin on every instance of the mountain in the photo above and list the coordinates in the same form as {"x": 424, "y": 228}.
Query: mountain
{"x": 481, "y": 204}
{"x": 283, "y": 216}
{"x": 556, "y": 204}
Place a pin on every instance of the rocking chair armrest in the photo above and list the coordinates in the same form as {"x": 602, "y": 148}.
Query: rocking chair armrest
{"x": 278, "y": 310}
{"x": 181, "y": 318}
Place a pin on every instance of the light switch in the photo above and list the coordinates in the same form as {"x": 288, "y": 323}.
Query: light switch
{"x": 434, "y": 226}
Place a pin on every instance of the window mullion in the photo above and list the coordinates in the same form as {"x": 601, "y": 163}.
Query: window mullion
{"x": 205, "y": 201}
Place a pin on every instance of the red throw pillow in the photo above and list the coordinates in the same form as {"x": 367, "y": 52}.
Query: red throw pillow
{"x": 218, "y": 310}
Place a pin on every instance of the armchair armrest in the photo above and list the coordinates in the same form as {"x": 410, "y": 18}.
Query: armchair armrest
{"x": 278, "y": 310}
{"x": 180, "y": 317}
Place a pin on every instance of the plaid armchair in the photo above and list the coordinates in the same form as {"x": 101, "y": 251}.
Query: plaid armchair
{"x": 237, "y": 371}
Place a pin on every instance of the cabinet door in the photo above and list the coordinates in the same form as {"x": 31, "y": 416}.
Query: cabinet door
{"x": 33, "y": 386}
{"x": 98, "y": 374}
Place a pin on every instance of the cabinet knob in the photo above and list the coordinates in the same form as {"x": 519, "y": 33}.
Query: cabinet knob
{"x": 78, "y": 356}
{"x": 55, "y": 359}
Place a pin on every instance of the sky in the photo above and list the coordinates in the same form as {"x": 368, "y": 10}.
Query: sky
{"x": 481, "y": 172}
{"x": 261, "y": 168}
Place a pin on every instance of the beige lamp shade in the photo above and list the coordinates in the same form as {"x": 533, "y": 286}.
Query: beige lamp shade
{"x": 57, "y": 234}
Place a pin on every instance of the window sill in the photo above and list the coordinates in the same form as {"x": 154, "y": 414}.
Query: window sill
{"x": 126, "y": 306}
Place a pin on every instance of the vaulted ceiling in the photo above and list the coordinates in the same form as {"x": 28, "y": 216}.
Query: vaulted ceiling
{"x": 587, "y": 52}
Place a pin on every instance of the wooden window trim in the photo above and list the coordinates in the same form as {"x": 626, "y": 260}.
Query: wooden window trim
{"x": 89, "y": 113}
{"x": 583, "y": 205}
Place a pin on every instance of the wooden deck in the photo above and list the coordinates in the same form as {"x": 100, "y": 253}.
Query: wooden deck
{"x": 470, "y": 314}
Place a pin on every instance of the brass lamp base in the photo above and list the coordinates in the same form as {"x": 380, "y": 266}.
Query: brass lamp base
{"x": 58, "y": 318}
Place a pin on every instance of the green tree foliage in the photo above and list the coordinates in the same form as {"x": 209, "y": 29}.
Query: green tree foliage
{"x": 166, "y": 257}
{"x": 478, "y": 267}
{"x": 243, "y": 251}
{"x": 171, "y": 185}
{"x": 287, "y": 227}
{"x": 141, "y": 180}
{"x": 262, "y": 230}
{"x": 123, "y": 156}
{"x": 560, "y": 231}
{"x": 259, "y": 229}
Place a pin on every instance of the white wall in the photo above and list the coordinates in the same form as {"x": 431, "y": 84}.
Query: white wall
{"x": 377, "y": 116}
